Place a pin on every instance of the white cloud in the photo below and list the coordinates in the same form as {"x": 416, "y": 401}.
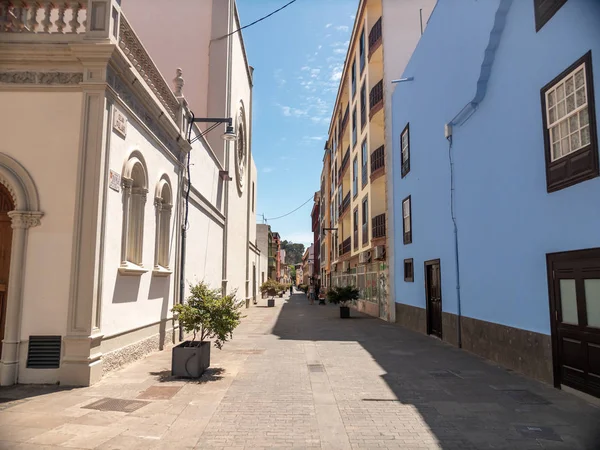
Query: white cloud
{"x": 319, "y": 47}
{"x": 290, "y": 111}
{"x": 267, "y": 170}
{"x": 336, "y": 73}
{"x": 278, "y": 75}
{"x": 304, "y": 68}
{"x": 342, "y": 28}
{"x": 352, "y": 16}
{"x": 328, "y": 25}
{"x": 339, "y": 51}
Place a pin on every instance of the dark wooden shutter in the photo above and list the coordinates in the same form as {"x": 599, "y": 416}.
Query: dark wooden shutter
{"x": 544, "y": 10}
{"x": 582, "y": 164}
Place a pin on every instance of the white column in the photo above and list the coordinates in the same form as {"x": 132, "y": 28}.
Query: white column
{"x": 157, "y": 234}
{"x": 127, "y": 183}
{"x": 21, "y": 222}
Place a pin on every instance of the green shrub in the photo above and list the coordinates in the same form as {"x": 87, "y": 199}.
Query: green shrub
{"x": 342, "y": 295}
{"x": 270, "y": 287}
{"x": 209, "y": 313}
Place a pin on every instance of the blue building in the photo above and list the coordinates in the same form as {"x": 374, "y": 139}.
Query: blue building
{"x": 496, "y": 187}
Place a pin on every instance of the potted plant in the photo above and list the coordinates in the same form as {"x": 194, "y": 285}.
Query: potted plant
{"x": 210, "y": 315}
{"x": 343, "y": 296}
{"x": 270, "y": 287}
{"x": 281, "y": 288}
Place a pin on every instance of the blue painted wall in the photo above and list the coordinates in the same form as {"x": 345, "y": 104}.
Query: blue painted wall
{"x": 507, "y": 222}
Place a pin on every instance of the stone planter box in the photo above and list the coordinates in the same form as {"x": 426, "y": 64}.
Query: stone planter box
{"x": 190, "y": 359}
{"x": 344, "y": 312}
{"x": 271, "y": 302}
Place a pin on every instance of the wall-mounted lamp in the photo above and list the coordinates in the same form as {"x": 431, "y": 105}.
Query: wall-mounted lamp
{"x": 403, "y": 79}
{"x": 224, "y": 175}
{"x": 229, "y": 134}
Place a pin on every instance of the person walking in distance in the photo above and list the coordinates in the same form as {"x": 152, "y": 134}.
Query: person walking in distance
{"x": 311, "y": 294}
{"x": 291, "y": 289}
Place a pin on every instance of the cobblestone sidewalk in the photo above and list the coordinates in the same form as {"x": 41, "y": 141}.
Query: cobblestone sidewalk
{"x": 297, "y": 376}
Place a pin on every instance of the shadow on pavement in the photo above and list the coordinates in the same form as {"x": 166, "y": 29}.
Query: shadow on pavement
{"x": 210, "y": 374}
{"x": 465, "y": 401}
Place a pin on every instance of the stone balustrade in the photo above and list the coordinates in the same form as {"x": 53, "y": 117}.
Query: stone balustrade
{"x": 44, "y": 16}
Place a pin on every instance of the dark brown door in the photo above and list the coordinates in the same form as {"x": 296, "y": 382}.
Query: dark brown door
{"x": 433, "y": 291}
{"x": 575, "y": 304}
{"x": 6, "y": 205}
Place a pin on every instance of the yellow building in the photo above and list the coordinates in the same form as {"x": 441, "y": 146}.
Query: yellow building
{"x": 383, "y": 38}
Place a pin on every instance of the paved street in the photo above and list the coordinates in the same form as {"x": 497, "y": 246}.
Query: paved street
{"x": 298, "y": 376}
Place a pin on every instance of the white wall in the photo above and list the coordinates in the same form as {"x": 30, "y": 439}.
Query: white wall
{"x": 48, "y": 150}
{"x": 133, "y": 301}
{"x": 187, "y": 48}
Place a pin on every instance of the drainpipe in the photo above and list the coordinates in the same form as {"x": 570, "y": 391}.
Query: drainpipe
{"x": 249, "y": 191}
{"x": 462, "y": 116}
{"x": 230, "y": 13}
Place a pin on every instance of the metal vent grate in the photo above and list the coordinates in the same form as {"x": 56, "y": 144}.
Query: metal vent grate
{"x": 44, "y": 352}
{"x": 116, "y": 404}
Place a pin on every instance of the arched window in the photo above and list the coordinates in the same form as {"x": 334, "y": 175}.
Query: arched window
{"x": 163, "y": 205}
{"x": 135, "y": 189}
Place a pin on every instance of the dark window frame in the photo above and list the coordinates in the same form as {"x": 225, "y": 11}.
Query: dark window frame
{"x": 365, "y": 220}
{"x": 355, "y": 177}
{"x": 354, "y": 128}
{"x": 362, "y": 51}
{"x": 405, "y": 167}
{"x": 355, "y": 217}
{"x": 544, "y": 13}
{"x": 353, "y": 77}
{"x": 363, "y": 106}
{"x": 591, "y": 149}
{"x": 409, "y": 275}
{"x": 253, "y": 195}
{"x": 407, "y": 236}
{"x": 364, "y": 154}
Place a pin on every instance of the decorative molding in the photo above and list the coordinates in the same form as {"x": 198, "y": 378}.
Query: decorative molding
{"x": 46, "y": 78}
{"x": 25, "y": 219}
{"x": 137, "y": 55}
{"x": 131, "y": 100}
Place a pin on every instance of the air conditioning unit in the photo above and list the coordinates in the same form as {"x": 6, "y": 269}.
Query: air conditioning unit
{"x": 345, "y": 266}
{"x": 364, "y": 257}
{"x": 380, "y": 252}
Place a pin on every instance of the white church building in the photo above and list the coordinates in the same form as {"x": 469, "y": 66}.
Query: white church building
{"x": 107, "y": 212}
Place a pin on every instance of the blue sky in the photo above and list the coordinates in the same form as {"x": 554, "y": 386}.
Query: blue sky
{"x": 298, "y": 55}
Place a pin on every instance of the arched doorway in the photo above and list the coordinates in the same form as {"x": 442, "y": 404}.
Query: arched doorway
{"x": 6, "y": 205}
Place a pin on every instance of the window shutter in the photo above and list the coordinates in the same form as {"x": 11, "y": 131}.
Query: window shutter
{"x": 582, "y": 164}
{"x": 544, "y": 10}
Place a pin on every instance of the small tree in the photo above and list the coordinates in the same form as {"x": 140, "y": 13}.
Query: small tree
{"x": 270, "y": 287}
{"x": 342, "y": 295}
{"x": 209, "y": 313}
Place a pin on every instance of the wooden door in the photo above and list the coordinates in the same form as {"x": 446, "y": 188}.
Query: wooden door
{"x": 574, "y": 279}
{"x": 433, "y": 292}
{"x": 6, "y": 205}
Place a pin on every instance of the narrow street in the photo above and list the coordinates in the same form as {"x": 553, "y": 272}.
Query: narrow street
{"x": 298, "y": 376}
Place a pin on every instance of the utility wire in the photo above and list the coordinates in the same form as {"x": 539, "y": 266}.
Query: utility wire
{"x": 280, "y": 217}
{"x": 256, "y": 21}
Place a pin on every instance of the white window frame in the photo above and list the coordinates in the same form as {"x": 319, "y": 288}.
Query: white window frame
{"x": 560, "y": 131}
{"x": 163, "y": 204}
{"x": 406, "y": 215}
{"x": 135, "y": 190}
{"x": 404, "y": 144}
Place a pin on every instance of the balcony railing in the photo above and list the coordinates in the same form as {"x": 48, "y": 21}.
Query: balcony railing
{"x": 344, "y": 121}
{"x": 375, "y": 36}
{"x": 376, "y": 95}
{"x": 345, "y": 204}
{"x": 377, "y": 159}
{"x": 345, "y": 246}
{"x": 57, "y": 17}
{"x": 379, "y": 226}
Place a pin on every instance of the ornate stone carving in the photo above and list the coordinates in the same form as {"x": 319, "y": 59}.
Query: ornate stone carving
{"x": 9, "y": 188}
{"x": 135, "y": 52}
{"x": 241, "y": 151}
{"x": 121, "y": 88}
{"x": 25, "y": 219}
{"x": 178, "y": 80}
{"x": 49, "y": 78}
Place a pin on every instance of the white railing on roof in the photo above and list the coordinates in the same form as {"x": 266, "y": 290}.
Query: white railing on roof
{"x": 44, "y": 16}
